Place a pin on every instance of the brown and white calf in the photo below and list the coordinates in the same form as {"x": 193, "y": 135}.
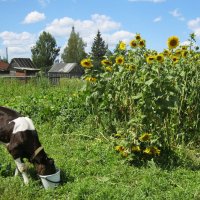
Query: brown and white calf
{"x": 21, "y": 139}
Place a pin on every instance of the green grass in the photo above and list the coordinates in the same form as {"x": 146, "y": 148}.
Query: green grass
{"x": 90, "y": 168}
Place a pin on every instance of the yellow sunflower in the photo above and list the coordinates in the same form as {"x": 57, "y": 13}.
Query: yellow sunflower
{"x": 119, "y": 60}
{"x": 178, "y": 52}
{"x": 138, "y": 37}
{"x": 172, "y": 42}
{"x": 184, "y": 53}
{"x": 109, "y": 69}
{"x": 160, "y": 57}
{"x": 135, "y": 148}
{"x": 119, "y": 148}
{"x": 87, "y": 63}
{"x": 106, "y": 62}
{"x": 145, "y": 137}
{"x": 184, "y": 47}
{"x": 166, "y": 52}
{"x": 133, "y": 43}
{"x": 91, "y": 79}
{"x": 175, "y": 59}
{"x": 150, "y": 59}
{"x": 142, "y": 43}
{"x": 122, "y": 45}
{"x": 152, "y": 151}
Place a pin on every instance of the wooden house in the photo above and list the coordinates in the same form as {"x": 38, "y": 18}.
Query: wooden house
{"x": 67, "y": 70}
{"x": 20, "y": 67}
{"x": 4, "y": 68}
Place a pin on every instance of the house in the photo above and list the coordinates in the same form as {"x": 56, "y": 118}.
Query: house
{"x": 4, "y": 68}
{"x": 22, "y": 67}
{"x": 67, "y": 70}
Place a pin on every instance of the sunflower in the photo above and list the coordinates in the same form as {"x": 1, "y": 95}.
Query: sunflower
{"x": 87, "y": 63}
{"x": 184, "y": 47}
{"x": 160, "y": 57}
{"x": 122, "y": 45}
{"x": 135, "y": 148}
{"x": 138, "y": 37}
{"x": 173, "y": 42}
{"x": 109, "y": 69}
{"x": 142, "y": 43}
{"x": 152, "y": 151}
{"x": 133, "y": 43}
{"x": 184, "y": 53}
{"x": 119, "y": 148}
{"x": 106, "y": 62}
{"x": 119, "y": 60}
{"x": 91, "y": 79}
{"x": 150, "y": 59}
{"x": 145, "y": 137}
{"x": 166, "y": 52}
{"x": 178, "y": 52}
{"x": 175, "y": 59}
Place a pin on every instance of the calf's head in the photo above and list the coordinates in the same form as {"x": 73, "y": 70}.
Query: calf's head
{"x": 45, "y": 166}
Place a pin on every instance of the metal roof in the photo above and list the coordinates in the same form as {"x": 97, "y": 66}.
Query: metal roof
{"x": 63, "y": 67}
{"x": 23, "y": 64}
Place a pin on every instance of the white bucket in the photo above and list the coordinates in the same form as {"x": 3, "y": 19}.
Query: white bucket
{"x": 51, "y": 181}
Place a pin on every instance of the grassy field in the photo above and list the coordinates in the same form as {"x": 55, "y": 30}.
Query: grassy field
{"x": 90, "y": 167}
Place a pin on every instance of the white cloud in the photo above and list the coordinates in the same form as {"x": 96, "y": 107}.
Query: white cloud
{"x": 150, "y": 1}
{"x": 63, "y": 26}
{"x": 157, "y": 19}
{"x": 18, "y": 44}
{"x": 34, "y": 17}
{"x": 110, "y": 30}
{"x": 176, "y": 13}
{"x": 194, "y": 25}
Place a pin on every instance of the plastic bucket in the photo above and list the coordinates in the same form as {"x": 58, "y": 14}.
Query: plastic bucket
{"x": 51, "y": 181}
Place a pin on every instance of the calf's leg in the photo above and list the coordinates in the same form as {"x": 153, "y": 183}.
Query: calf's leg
{"x": 22, "y": 168}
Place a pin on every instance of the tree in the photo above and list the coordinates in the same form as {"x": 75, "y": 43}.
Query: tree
{"x": 98, "y": 50}
{"x": 74, "y": 52}
{"x": 45, "y": 51}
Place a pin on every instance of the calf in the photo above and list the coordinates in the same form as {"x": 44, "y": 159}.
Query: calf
{"x": 21, "y": 139}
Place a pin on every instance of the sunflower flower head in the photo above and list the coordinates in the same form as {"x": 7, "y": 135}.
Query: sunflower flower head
{"x": 145, "y": 137}
{"x": 152, "y": 151}
{"x": 160, "y": 57}
{"x": 133, "y": 43}
{"x": 142, "y": 43}
{"x": 138, "y": 37}
{"x": 119, "y": 60}
{"x": 106, "y": 62}
{"x": 150, "y": 59}
{"x": 91, "y": 79}
{"x": 119, "y": 148}
{"x": 175, "y": 59}
{"x": 122, "y": 45}
{"x": 135, "y": 148}
{"x": 172, "y": 42}
{"x": 86, "y": 63}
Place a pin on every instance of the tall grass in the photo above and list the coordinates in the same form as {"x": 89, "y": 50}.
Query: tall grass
{"x": 90, "y": 167}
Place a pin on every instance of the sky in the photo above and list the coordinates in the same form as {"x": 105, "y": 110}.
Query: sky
{"x": 22, "y": 21}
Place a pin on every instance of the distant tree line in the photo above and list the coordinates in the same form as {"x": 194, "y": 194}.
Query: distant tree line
{"x": 45, "y": 51}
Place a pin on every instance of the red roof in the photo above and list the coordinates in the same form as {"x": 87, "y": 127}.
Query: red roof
{"x": 3, "y": 65}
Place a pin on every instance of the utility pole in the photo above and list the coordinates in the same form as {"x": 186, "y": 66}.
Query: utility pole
{"x": 7, "y": 53}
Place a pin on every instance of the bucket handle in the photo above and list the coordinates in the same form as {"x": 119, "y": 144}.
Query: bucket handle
{"x": 51, "y": 180}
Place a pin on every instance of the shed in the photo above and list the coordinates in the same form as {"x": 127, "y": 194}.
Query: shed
{"x": 4, "y": 68}
{"x": 68, "y": 70}
{"x": 22, "y": 67}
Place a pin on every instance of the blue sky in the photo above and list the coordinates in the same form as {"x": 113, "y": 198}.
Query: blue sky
{"x": 22, "y": 21}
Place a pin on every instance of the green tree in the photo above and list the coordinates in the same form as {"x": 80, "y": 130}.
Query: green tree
{"x": 98, "y": 50}
{"x": 75, "y": 49}
{"x": 45, "y": 51}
